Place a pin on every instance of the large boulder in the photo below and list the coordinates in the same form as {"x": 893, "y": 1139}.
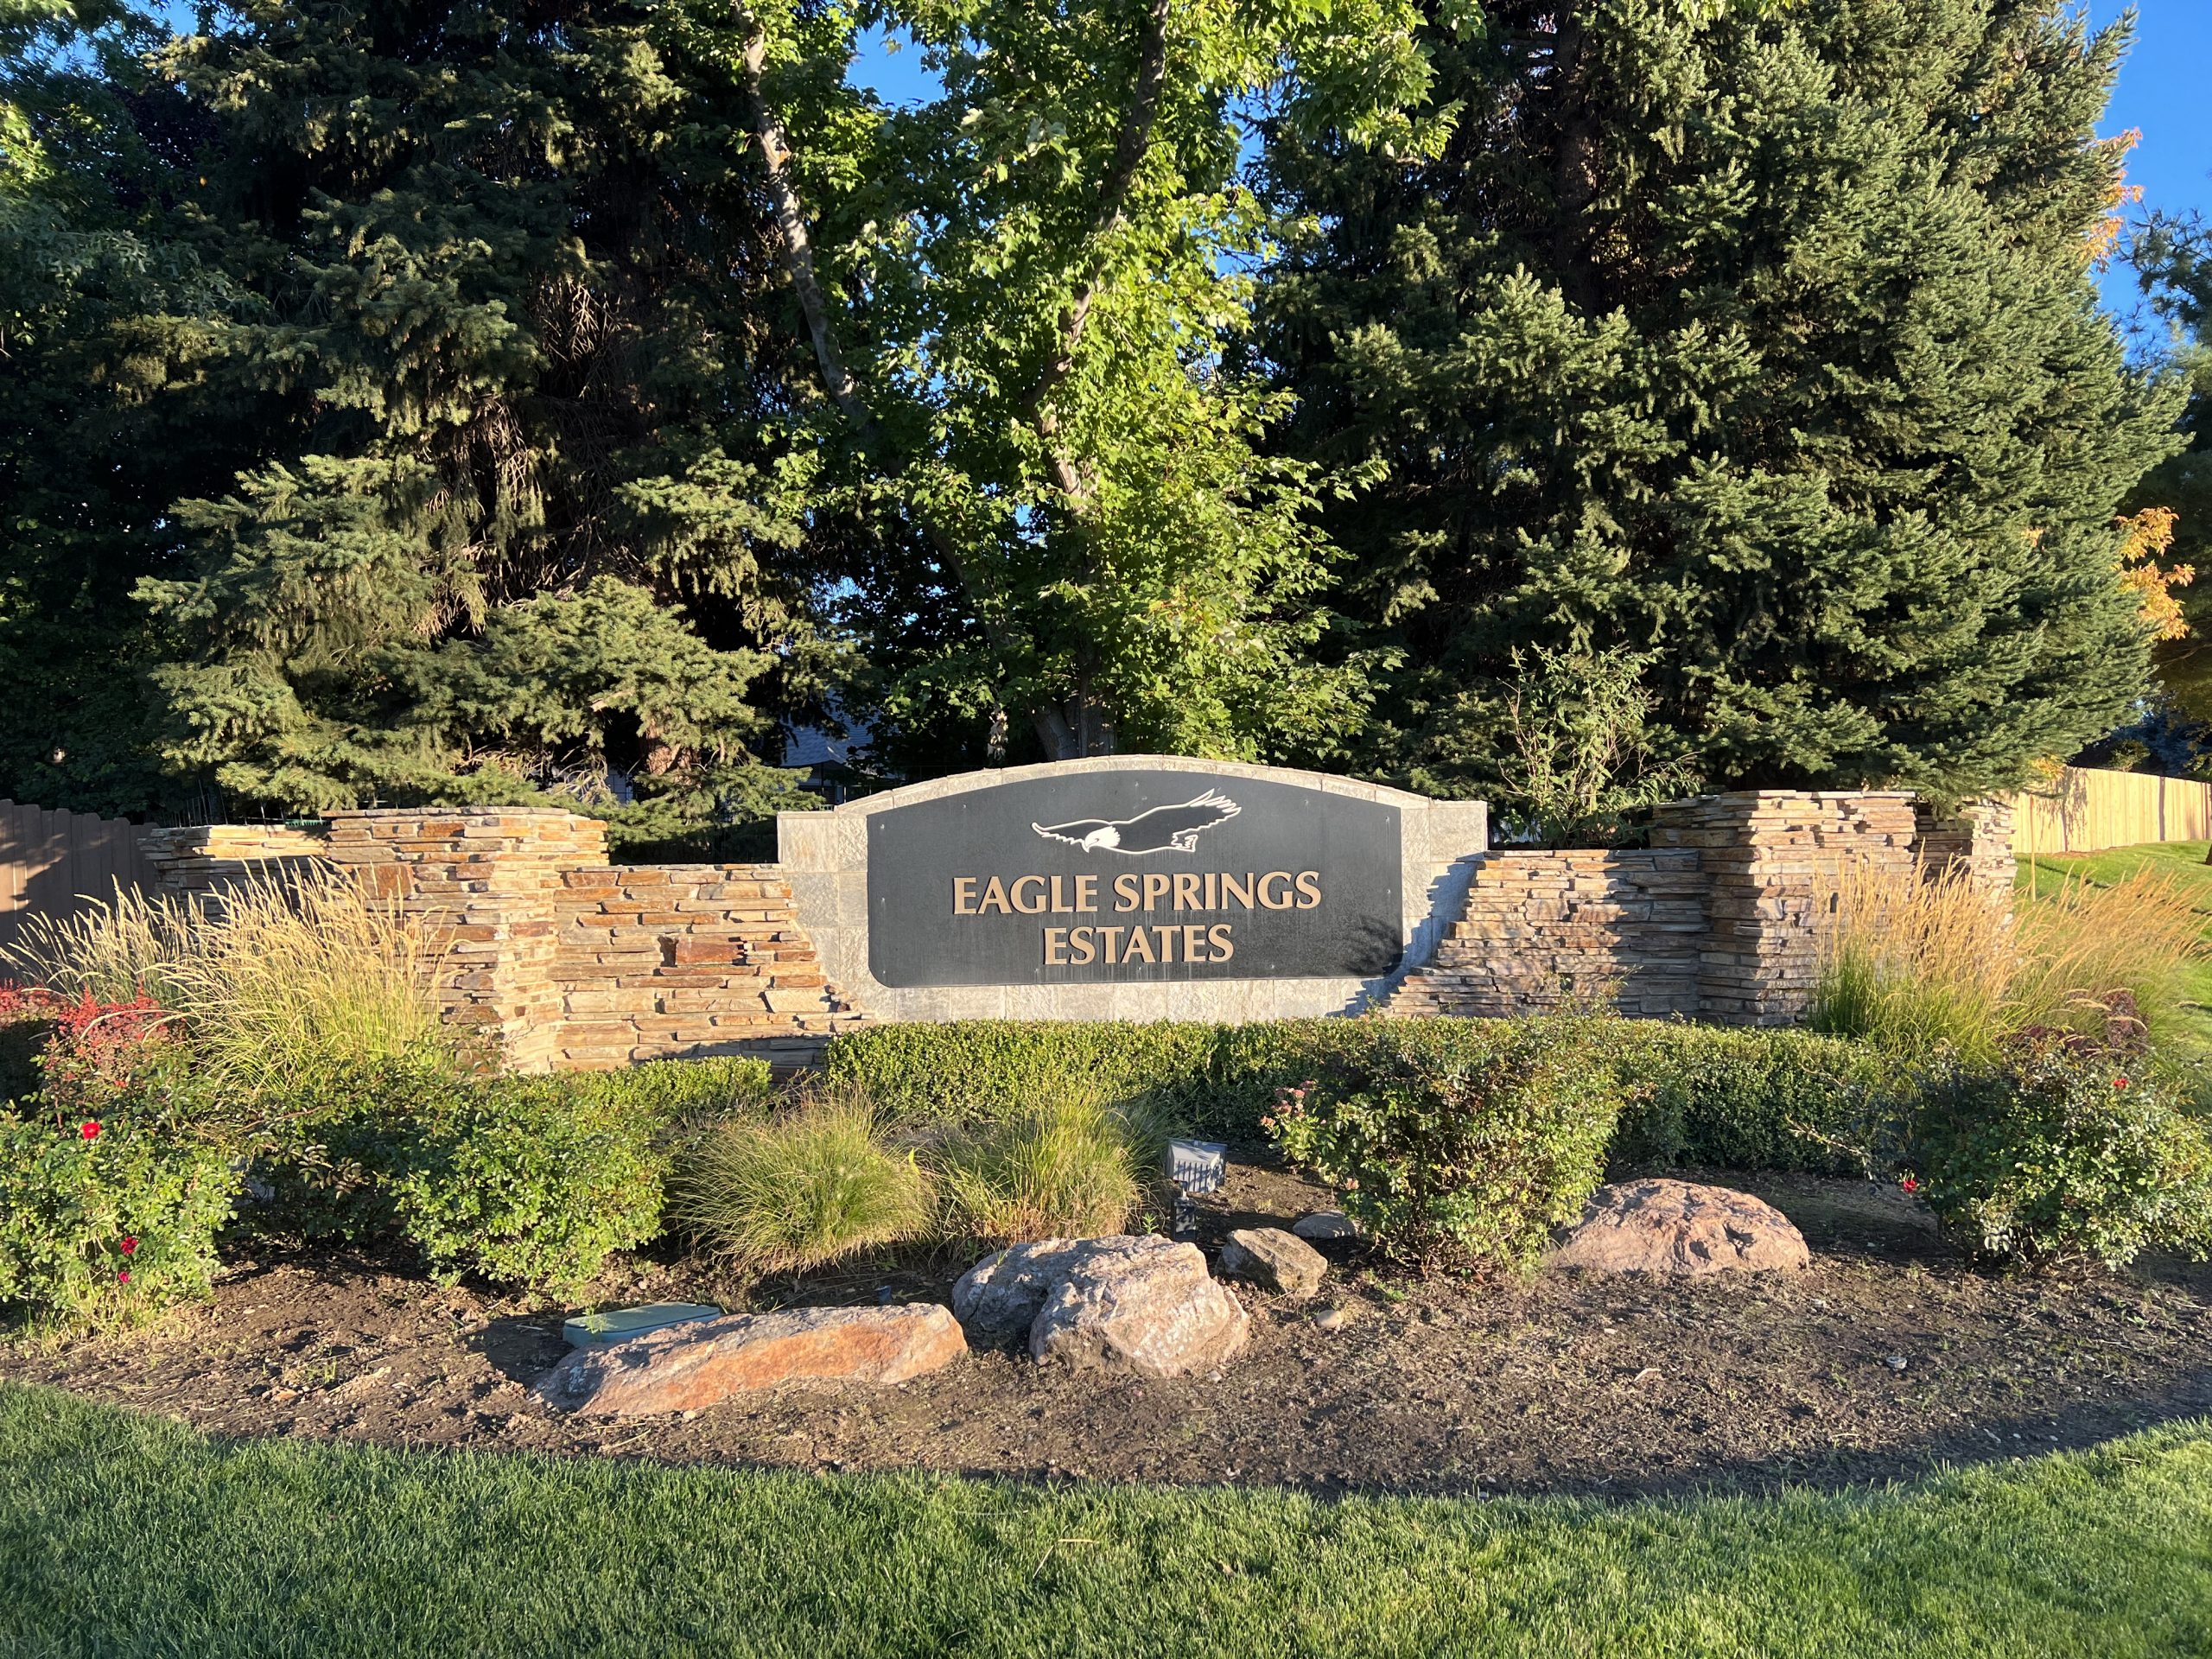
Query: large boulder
{"x": 1270, "y": 1257}
{"x": 999, "y": 1297}
{"x": 1145, "y": 1305}
{"x": 1678, "y": 1227}
{"x": 686, "y": 1366}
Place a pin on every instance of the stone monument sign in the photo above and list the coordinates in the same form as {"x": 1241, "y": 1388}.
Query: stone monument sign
{"x": 1133, "y": 886}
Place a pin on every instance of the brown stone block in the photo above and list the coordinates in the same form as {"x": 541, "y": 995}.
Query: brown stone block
{"x": 689, "y": 951}
{"x": 789, "y": 1002}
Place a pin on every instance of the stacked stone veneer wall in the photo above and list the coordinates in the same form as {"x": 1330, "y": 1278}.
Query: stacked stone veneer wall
{"x": 205, "y": 857}
{"x": 1544, "y": 931}
{"x": 1977, "y": 841}
{"x": 1719, "y": 919}
{"x": 654, "y": 961}
{"x": 562, "y": 959}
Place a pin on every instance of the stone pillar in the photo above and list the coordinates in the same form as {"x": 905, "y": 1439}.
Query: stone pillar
{"x": 1771, "y": 858}
{"x": 486, "y": 883}
{"x": 1977, "y": 839}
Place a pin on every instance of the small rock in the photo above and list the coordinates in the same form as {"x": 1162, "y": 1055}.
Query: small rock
{"x": 1676, "y": 1227}
{"x": 1270, "y": 1257}
{"x": 1326, "y": 1224}
{"x": 1143, "y": 1304}
{"x": 1897, "y": 1362}
{"x": 688, "y": 1366}
{"x": 1819, "y": 1304}
{"x": 1330, "y": 1319}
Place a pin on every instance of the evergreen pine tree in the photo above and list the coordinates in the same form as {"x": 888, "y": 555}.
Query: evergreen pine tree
{"x": 521, "y": 510}
{"x": 1758, "y": 339}
{"x": 105, "y": 305}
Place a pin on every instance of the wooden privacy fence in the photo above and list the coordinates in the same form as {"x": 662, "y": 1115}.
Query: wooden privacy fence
{"x": 53, "y": 862}
{"x": 2085, "y": 811}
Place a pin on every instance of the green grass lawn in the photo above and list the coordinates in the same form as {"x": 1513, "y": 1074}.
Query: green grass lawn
{"x": 2184, "y": 859}
{"x": 128, "y": 1534}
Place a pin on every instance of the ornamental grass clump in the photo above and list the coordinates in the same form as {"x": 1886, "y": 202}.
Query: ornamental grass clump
{"x": 812, "y": 1185}
{"x": 1066, "y": 1169}
{"x": 1927, "y": 964}
{"x": 277, "y": 980}
{"x": 1916, "y": 964}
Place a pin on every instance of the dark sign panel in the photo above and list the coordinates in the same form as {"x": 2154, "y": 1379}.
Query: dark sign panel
{"x": 1133, "y": 877}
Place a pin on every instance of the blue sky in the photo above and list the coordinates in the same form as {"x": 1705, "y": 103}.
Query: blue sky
{"x": 2165, "y": 91}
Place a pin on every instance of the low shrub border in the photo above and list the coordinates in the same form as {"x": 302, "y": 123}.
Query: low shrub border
{"x": 1694, "y": 1095}
{"x": 1469, "y": 1161}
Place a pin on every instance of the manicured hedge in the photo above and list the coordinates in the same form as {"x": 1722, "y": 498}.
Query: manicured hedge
{"x": 1697, "y": 1095}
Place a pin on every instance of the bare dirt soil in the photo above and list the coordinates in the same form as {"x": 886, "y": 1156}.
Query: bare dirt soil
{"x": 1889, "y": 1356}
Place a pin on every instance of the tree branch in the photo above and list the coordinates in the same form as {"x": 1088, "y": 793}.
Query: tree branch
{"x": 1131, "y": 145}
{"x": 790, "y": 220}
{"x": 1575, "y": 162}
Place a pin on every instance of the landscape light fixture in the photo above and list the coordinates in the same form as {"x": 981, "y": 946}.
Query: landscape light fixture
{"x": 1195, "y": 1166}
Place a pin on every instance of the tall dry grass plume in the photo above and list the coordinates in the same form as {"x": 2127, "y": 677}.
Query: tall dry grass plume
{"x": 1918, "y": 962}
{"x": 2083, "y": 946}
{"x": 277, "y": 979}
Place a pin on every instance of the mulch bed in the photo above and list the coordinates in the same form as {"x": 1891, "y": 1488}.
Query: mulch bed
{"x": 1570, "y": 1385}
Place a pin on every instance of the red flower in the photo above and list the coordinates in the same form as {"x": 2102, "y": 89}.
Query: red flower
{"x": 2120, "y": 1083}
{"x": 123, "y": 1275}
{"x": 127, "y": 1245}
{"x": 90, "y": 1131}
{"x": 1910, "y": 1184}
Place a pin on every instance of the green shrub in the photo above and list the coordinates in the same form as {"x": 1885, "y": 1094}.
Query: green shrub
{"x": 105, "y": 1227}
{"x": 2058, "y": 1154}
{"x": 966, "y": 1071}
{"x": 1068, "y": 1168}
{"x": 669, "y": 1090}
{"x": 1727, "y": 1099}
{"x": 810, "y": 1185}
{"x": 1469, "y": 1158}
{"x": 528, "y": 1180}
{"x": 1696, "y": 1095}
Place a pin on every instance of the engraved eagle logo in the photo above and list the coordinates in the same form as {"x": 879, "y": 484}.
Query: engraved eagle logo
{"x": 1162, "y": 829}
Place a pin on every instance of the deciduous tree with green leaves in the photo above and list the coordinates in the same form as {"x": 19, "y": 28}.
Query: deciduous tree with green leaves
{"x": 1021, "y": 295}
{"x": 2173, "y": 254}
